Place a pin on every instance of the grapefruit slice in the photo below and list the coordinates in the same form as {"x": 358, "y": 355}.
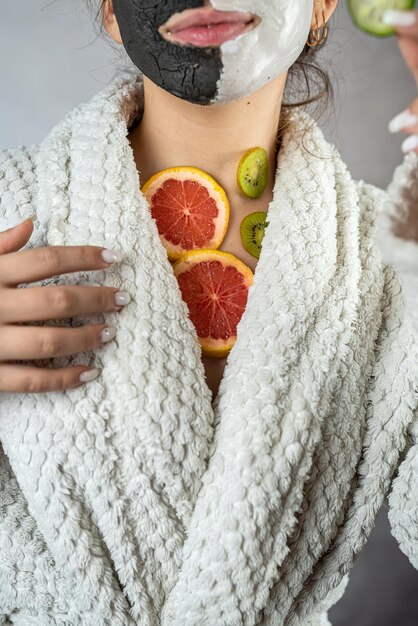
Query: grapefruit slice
{"x": 214, "y": 284}
{"x": 190, "y": 208}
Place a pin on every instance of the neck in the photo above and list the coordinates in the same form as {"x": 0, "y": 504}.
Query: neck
{"x": 213, "y": 138}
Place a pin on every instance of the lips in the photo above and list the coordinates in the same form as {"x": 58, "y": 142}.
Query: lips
{"x": 207, "y": 26}
{"x": 205, "y": 17}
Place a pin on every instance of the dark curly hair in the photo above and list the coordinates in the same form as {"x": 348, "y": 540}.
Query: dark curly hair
{"x": 306, "y": 78}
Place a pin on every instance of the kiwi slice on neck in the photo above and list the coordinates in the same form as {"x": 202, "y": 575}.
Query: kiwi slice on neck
{"x": 252, "y": 172}
{"x": 252, "y": 232}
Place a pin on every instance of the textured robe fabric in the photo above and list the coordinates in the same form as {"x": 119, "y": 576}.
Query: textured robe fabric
{"x": 135, "y": 500}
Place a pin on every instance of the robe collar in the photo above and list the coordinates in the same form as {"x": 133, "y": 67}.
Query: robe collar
{"x": 90, "y": 191}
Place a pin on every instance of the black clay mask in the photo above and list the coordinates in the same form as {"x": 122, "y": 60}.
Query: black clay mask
{"x": 232, "y": 61}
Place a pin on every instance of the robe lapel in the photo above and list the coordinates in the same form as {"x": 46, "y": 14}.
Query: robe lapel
{"x": 277, "y": 388}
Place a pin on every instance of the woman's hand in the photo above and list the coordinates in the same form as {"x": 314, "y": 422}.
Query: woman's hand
{"x": 407, "y": 37}
{"x": 407, "y": 121}
{"x": 47, "y": 303}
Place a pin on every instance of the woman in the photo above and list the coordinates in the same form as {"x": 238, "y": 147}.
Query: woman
{"x": 155, "y": 495}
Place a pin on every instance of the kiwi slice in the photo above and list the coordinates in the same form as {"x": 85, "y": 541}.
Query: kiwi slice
{"x": 252, "y": 232}
{"x": 367, "y": 14}
{"x": 252, "y": 172}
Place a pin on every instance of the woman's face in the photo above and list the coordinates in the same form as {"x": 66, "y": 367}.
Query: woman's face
{"x": 207, "y": 65}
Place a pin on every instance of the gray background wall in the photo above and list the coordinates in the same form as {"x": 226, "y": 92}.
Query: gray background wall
{"x": 51, "y": 60}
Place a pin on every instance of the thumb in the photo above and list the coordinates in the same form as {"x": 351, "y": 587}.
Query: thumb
{"x": 15, "y": 238}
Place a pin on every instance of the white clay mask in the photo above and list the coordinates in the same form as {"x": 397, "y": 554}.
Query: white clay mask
{"x": 222, "y": 62}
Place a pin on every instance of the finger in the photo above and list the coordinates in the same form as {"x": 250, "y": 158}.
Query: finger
{"x": 403, "y": 21}
{"x": 39, "y": 263}
{"x": 18, "y": 343}
{"x": 408, "y": 45}
{"x": 15, "y": 238}
{"x": 27, "y": 379}
{"x": 407, "y": 120}
{"x": 405, "y": 24}
{"x": 34, "y": 304}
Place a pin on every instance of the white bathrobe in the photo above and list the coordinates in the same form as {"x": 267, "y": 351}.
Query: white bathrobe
{"x": 132, "y": 500}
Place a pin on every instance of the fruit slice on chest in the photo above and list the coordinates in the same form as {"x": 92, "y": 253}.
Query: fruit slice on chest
{"x": 214, "y": 284}
{"x": 252, "y": 232}
{"x": 253, "y": 171}
{"x": 190, "y": 208}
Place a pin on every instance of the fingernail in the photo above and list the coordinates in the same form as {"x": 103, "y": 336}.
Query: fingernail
{"x": 89, "y": 375}
{"x": 402, "y": 120}
{"x": 31, "y": 216}
{"x": 122, "y": 297}
{"x": 399, "y": 18}
{"x": 410, "y": 143}
{"x": 108, "y": 333}
{"x": 111, "y": 256}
